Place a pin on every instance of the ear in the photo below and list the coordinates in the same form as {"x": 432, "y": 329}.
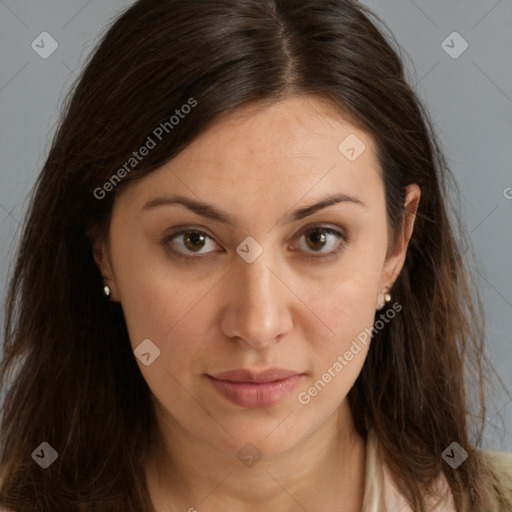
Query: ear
{"x": 101, "y": 254}
{"x": 396, "y": 254}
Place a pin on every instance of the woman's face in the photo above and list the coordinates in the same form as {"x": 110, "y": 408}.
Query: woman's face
{"x": 259, "y": 276}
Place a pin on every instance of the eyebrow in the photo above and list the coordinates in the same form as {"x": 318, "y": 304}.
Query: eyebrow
{"x": 212, "y": 212}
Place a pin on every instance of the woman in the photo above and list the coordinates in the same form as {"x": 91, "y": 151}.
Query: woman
{"x": 238, "y": 287}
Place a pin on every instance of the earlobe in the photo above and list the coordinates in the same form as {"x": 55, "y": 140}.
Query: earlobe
{"x": 383, "y": 299}
{"x": 102, "y": 259}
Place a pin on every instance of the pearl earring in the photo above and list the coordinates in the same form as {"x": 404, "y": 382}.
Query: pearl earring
{"x": 107, "y": 291}
{"x": 382, "y": 303}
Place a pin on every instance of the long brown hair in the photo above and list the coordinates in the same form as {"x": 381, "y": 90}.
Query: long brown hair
{"x": 68, "y": 369}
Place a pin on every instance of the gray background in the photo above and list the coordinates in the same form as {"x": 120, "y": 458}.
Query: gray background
{"x": 469, "y": 98}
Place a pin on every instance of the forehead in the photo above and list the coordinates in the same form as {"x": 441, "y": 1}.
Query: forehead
{"x": 298, "y": 128}
{"x": 298, "y": 147}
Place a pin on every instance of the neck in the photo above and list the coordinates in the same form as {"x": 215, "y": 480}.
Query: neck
{"x": 325, "y": 471}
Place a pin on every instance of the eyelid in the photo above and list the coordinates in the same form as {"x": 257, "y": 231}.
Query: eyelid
{"x": 181, "y": 230}
{"x": 337, "y": 231}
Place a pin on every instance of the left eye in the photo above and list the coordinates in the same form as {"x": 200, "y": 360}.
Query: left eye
{"x": 326, "y": 241}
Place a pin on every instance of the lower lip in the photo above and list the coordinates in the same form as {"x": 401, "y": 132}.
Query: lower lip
{"x": 255, "y": 394}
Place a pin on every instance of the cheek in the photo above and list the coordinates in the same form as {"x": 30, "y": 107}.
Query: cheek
{"x": 175, "y": 318}
{"x": 171, "y": 315}
{"x": 340, "y": 331}
{"x": 338, "y": 345}
{"x": 341, "y": 341}
{"x": 344, "y": 300}
{"x": 155, "y": 297}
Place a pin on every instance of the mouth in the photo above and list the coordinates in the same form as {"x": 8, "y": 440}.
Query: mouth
{"x": 255, "y": 389}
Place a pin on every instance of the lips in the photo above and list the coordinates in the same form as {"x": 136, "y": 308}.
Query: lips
{"x": 255, "y": 389}
{"x": 269, "y": 375}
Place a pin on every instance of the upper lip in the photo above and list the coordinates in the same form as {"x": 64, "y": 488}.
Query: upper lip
{"x": 268, "y": 375}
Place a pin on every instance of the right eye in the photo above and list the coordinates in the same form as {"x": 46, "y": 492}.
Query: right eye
{"x": 189, "y": 241}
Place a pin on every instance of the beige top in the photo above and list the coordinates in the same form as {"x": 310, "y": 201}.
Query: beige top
{"x": 381, "y": 493}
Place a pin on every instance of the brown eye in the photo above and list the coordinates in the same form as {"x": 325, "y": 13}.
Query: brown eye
{"x": 316, "y": 239}
{"x": 189, "y": 241}
{"x": 324, "y": 241}
{"x": 194, "y": 241}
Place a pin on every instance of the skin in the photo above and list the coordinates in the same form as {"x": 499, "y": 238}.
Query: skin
{"x": 219, "y": 313}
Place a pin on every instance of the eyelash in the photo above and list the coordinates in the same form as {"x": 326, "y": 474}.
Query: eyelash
{"x": 344, "y": 240}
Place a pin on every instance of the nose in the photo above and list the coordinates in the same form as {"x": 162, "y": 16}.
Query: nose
{"x": 258, "y": 305}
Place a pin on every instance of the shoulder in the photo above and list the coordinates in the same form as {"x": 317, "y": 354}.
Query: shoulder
{"x": 500, "y": 466}
{"x": 500, "y": 463}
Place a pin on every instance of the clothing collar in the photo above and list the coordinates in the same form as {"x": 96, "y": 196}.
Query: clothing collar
{"x": 380, "y": 488}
